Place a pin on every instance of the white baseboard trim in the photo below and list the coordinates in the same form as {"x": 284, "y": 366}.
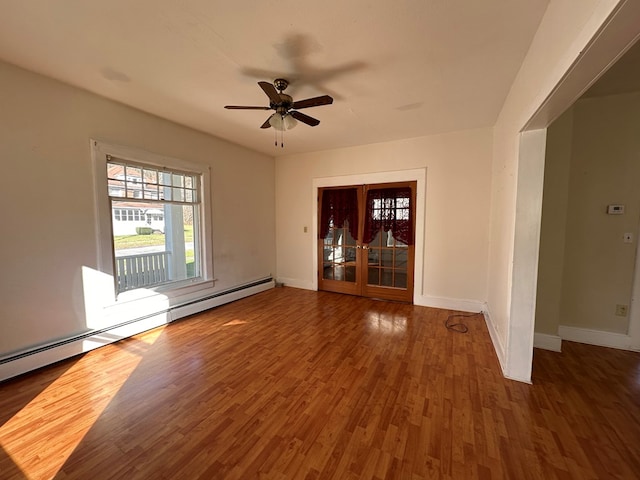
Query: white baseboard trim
{"x": 296, "y": 283}
{"x": 495, "y": 339}
{"x": 547, "y": 342}
{"x": 596, "y": 337}
{"x": 215, "y": 301}
{"x": 23, "y": 362}
{"x": 457, "y": 304}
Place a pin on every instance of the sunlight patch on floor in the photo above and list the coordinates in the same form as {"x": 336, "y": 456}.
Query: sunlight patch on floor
{"x": 234, "y": 322}
{"x": 43, "y": 435}
{"x": 386, "y": 324}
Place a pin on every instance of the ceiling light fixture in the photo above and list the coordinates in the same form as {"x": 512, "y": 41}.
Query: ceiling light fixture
{"x": 287, "y": 113}
{"x": 282, "y": 122}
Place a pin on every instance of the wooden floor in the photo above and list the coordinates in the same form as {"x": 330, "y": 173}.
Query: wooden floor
{"x": 293, "y": 384}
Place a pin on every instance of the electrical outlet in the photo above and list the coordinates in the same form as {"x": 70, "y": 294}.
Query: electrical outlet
{"x": 621, "y": 310}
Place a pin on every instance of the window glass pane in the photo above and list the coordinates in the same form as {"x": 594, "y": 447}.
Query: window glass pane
{"x": 115, "y": 170}
{"x": 165, "y": 178}
{"x": 178, "y": 194}
{"x": 154, "y": 242}
{"x": 132, "y": 181}
{"x": 133, "y": 174}
{"x": 150, "y": 191}
{"x": 177, "y": 180}
{"x": 190, "y": 244}
{"x": 116, "y": 188}
{"x": 150, "y": 251}
{"x": 150, "y": 176}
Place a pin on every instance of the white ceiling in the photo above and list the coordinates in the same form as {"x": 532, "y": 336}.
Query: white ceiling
{"x": 396, "y": 69}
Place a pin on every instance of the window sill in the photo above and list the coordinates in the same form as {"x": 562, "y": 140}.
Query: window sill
{"x": 167, "y": 291}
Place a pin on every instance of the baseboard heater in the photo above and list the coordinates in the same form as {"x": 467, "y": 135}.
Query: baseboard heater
{"x": 37, "y": 357}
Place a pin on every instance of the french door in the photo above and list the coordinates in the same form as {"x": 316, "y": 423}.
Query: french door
{"x": 366, "y": 240}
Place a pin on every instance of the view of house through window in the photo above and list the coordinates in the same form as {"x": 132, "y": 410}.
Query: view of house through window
{"x": 155, "y": 224}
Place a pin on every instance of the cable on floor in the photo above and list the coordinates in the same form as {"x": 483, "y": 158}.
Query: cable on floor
{"x": 459, "y": 327}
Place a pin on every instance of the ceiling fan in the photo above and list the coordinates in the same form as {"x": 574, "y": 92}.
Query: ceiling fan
{"x": 286, "y": 109}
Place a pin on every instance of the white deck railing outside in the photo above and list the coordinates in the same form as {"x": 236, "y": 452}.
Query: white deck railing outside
{"x": 142, "y": 270}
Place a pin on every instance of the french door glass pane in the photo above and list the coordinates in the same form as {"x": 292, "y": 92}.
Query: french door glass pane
{"x": 386, "y": 279}
{"x": 339, "y": 254}
{"x": 373, "y": 277}
{"x": 387, "y": 258}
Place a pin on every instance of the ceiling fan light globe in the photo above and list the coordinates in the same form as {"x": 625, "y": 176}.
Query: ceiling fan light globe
{"x": 282, "y": 122}
{"x": 289, "y": 122}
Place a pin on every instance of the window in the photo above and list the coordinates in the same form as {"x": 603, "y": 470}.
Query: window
{"x": 156, "y": 234}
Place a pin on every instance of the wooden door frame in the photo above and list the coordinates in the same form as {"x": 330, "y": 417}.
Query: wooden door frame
{"x": 419, "y": 175}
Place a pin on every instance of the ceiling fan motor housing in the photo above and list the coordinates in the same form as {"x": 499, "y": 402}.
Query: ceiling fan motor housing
{"x": 286, "y": 102}
{"x": 280, "y": 84}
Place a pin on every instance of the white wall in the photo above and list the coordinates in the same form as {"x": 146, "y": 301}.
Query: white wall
{"x": 48, "y": 223}
{"x": 566, "y": 28}
{"x": 605, "y": 169}
{"x": 458, "y": 171}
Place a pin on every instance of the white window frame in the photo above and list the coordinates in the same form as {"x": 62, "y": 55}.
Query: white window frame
{"x": 101, "y": 152}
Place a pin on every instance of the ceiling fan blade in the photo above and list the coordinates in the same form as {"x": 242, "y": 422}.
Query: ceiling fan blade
{"x": 313, "y": 102}
{"x": 305, "y": 118}
{"x": 239, "y": 107}
{"x": 266, "y": 124}
{"x": 271, "y": 92}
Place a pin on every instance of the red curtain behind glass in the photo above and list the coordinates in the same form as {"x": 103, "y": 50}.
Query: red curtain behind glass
{"x": 338, "y": 206}
{"x": 389, "y": 209}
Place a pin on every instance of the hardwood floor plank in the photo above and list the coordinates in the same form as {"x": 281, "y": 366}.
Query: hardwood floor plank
{"x": 293, "y": 384}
